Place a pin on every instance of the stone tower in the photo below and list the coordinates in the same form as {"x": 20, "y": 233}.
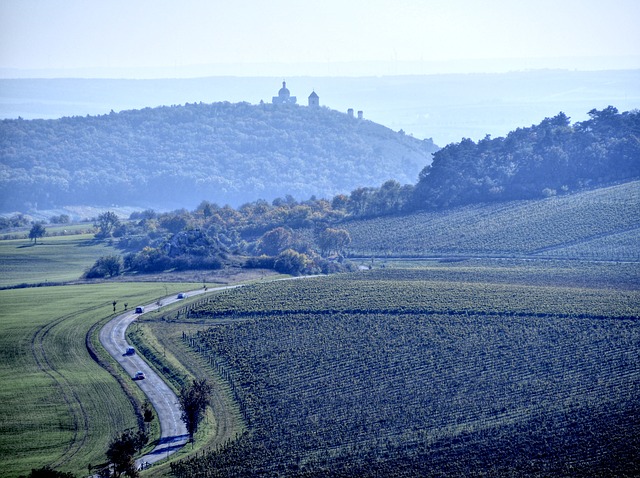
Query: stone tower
{"x": 314, "y": 100}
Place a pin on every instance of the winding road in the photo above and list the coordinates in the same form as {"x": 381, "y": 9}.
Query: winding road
{"x": 173, "y": 433}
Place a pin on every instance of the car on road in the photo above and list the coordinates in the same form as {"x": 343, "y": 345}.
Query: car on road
{"x": 139, "y": 375}
{"x": 182, "y": 295}
{"x": 139, "y": 310}
{"x": 130, "y": 351}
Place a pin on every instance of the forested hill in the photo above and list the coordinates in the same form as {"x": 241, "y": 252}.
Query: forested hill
{"x": 543, "y": 160}
{"x": 177, "y": 156}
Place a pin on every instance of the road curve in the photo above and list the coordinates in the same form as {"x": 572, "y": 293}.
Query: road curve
{"x": 173, "y": 433}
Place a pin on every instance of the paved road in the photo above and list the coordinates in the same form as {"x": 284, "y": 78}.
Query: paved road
{"x": 173, "y": 433}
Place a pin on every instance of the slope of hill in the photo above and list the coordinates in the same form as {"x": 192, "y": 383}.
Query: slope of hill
{"x": 598, "y": 224}
{"x": 177, "y": 156}
{"x": 430, "y": 371}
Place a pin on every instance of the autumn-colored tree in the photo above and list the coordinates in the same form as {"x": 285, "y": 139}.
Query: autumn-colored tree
{"x": 275, "y": 241}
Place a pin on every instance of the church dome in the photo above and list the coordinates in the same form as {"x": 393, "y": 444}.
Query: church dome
{"x": 284, "y": 91}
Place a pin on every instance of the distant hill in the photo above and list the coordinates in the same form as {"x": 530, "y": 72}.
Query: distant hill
{"x": 445, "y": 107}
{"x": 168, "y": 157}
{"x": 598, "y": 224}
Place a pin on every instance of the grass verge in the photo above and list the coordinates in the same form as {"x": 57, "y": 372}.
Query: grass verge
{"x": 160, "y": 343}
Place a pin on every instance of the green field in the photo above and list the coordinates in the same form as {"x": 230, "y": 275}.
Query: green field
{"x": 600, "y": 224}
{"x": 52, "y": 260}
{"x": 474, "y": 368}
{"x": 58, "y": 406}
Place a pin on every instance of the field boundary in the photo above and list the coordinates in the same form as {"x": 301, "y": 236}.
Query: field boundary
{"x": 404, "y": 311}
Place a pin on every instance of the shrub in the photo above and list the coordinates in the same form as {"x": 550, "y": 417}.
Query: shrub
{"x": 291, "y": 262}
{"x": 106, "y": 266}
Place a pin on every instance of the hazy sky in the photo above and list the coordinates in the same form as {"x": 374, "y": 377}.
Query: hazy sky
{"x": 246, "y": 36}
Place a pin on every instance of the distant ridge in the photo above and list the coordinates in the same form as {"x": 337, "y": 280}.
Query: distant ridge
{"x": 444, "y": 106}
{"x": 177, "y": 156}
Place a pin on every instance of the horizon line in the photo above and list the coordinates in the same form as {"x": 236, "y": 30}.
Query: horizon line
{"x": 374, "y": 68}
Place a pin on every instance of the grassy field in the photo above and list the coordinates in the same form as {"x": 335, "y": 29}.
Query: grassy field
{"x": 51, "y": 260}
{"x": 58, "y": 406}
{"x": 460, "y": 369}
{"x": 601, "y": 224}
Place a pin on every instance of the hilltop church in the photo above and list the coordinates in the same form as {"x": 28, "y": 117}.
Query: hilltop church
{"x": 284, "y": 97}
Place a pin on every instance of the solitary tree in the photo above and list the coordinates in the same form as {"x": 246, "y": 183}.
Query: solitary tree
{"x": 194, "y": 400}
{"x": 106, "y": 223}
{"x": 37, "y": 230}
{"x": 122, "y": 450}
{"x": 147, "y": 414}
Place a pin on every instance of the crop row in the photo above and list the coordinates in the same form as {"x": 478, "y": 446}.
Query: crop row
{"x": 517, "y": 227}
{"x": 475, "y": 365}
{"x": 456, "y": 291}
{"x": 320, "y": 387}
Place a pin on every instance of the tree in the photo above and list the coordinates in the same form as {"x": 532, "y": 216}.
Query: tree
{"x": 37, "y": 230}
{"x": 122, "y": 450}
{"x": 48, "y": 472}
{"x": 333, "y": 240}
{"x": 175, "y": 222}
{"x": 106, "y": 223}
{"x": 275, "y": 241}
{"x": 147, "y": 412}
{"x": 291, "y": 262}
{"x": 61, "y": 219}
{"x": 194, "y": 400}
{"x": 106, "y": 266}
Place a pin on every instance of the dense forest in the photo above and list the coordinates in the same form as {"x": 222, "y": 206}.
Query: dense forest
{"x": 542, "y": 160}
{"x": 176, "y": 156}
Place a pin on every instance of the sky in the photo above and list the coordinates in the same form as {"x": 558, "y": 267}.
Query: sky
{"x": 162, "y": 38}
